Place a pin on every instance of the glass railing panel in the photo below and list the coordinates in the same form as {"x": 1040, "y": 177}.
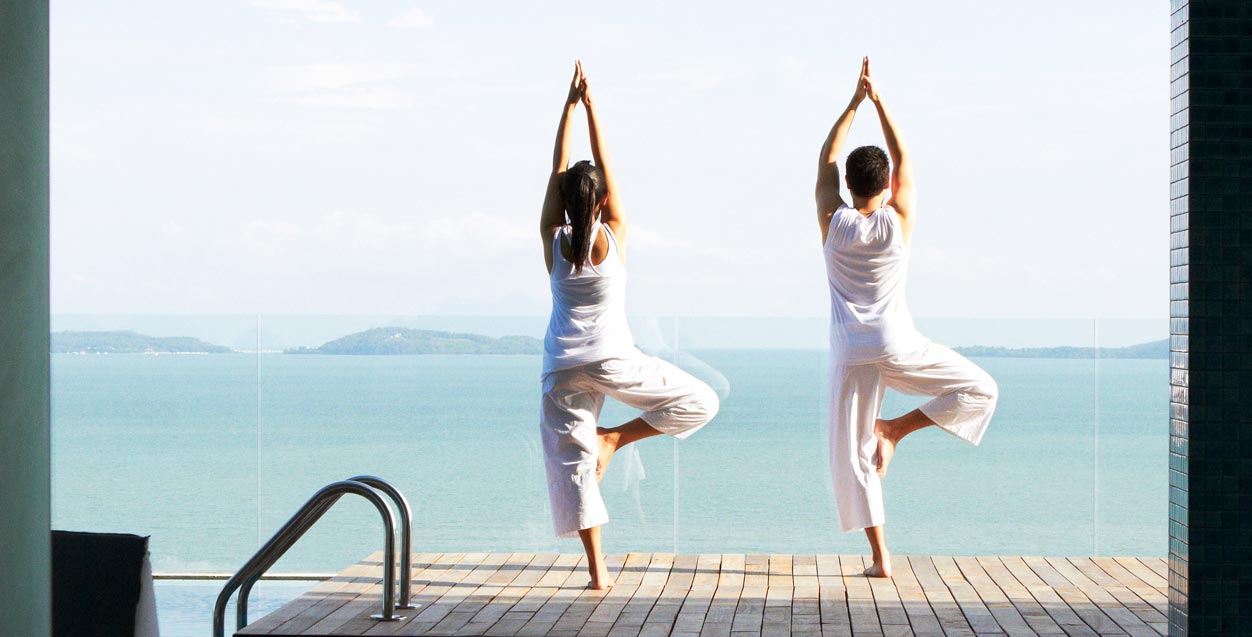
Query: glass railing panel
{"x": 457, "y": 433}
{"x": 768, "y": 373}
{"x": 158, "y": 443}
{"x": 210, "y": 453}
{"x": 1028, "y": 488}
{"x": 757, "y": 479}
{"x": 1133, "y": 437}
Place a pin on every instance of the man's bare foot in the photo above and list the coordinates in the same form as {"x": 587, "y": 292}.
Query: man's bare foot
{"x": 601, "y": 583}
{"x": 886, "y": 449}
{"x": 608, "y": 445}
{"x": 878, "y": 570}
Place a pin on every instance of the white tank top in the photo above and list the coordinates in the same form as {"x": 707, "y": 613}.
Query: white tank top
{"x": 867, "y": 264}
{"x": 588, "y": 321}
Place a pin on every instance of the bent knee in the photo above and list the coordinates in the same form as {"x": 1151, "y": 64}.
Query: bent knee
{"x": 986, "y": 391}
{"x": 705, "y": 404}
{"x": 990, "y": 389}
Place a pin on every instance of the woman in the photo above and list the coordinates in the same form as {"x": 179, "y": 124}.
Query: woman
{"x": 588, "y": 351}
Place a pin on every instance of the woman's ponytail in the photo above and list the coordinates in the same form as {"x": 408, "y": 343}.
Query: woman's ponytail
{"x": 582, "y": 189}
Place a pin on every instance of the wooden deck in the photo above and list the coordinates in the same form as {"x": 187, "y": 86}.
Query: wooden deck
{"x": 661, "y": 594}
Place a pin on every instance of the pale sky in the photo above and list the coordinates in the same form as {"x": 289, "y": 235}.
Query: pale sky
{"x": 389, "y": 157}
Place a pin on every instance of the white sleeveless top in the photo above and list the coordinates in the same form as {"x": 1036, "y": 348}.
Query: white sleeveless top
{"x": 866, "y": 264}
{"x": 588, "y": 321}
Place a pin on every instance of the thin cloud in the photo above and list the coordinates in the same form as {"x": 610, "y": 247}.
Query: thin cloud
{"x": 358, "y": 86}
{"x": 369, "y": 236}
{"x": 412, "y": 19}
{"x": 302, "y": 78}
{"x": 691, "y": 77}
{"x": 381, "y": 98}
{"x": 311, "y": 10}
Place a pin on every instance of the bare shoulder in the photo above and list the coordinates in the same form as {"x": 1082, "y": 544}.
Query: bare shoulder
{"x": 617, "y": 227}
{"x": 906, "y": 220}
{"x": 826, "y": 215}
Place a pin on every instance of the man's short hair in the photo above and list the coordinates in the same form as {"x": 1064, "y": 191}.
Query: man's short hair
{"x": 868, "y": 170}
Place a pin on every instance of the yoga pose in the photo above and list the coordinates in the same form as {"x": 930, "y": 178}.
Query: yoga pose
{"x": 588, "y": 351}
{"x": 873, "y": 343}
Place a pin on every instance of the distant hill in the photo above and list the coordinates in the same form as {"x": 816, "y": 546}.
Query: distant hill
{"x": 404, "y": 340}
{"x": 1153, "y": 349}
{"x": 127, "y": 342}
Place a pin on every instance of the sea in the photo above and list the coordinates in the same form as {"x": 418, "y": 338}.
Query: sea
{"x": 209, "y": 454}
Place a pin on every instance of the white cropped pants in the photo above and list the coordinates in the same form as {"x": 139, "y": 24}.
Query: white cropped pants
{"x": 673, "y": 402}
{"x": 964, "y": 399}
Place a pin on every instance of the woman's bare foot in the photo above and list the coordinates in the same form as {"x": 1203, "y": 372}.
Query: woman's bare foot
{"x": 608, "y": 445}
{"x": 886, "y": 449}
{"x": 878, "y": 570}
{"x": 602, "y": 583}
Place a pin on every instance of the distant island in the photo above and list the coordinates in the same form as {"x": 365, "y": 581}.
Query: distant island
{"x": 404, "y": 340}
{"x": 1153, "y": 349}
{"x": 127, "y": 342}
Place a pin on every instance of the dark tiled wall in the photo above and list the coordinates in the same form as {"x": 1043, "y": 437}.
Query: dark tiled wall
{"x": 1210, "y": 482}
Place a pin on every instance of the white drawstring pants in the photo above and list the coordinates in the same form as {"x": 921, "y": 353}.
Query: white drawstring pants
{"x": 964, "y": 399}
{"x": 674, "y": 403}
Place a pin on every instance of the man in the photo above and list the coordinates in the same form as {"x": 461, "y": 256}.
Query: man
{"x": 873, "y": 343}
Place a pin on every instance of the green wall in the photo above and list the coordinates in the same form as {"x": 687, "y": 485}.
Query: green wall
{"x": 25, "y": 513}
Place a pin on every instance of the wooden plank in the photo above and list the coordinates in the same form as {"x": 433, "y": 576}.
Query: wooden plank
{"x": 303, "y": 604}
{"x": 695, "y": 607}
{"x": 994, "y": 598}
{"x": 1056, "y": 608}
{"x": 601, "y": 620}
{"x": 1098, "y": 586}
{"x": 429, "y": 586}
{"x": 585, "y": 602}
{"x": 1073, "y": 595}
{"x": 485, "y": 606}
{"x": 721, "y": 612}
{"x": 363, "y": 573}
{"x": 432, "y": 614}
{"x": 568, "y": 589}
{"x": 780, "y": 585}
{"x": 359, "y": 612}
{"x": 887, "y": 600}
{"x": 652, "y": 579}
{"x": 1029, "y": 608}
{"x": 426, "y": 567}
{"x": 475, "y": 591}
{"x": 862, "y": 613}
{"x": 750, "y": 611}
{"x": 1158, "y": 565}
{"x": 806, "y": 619}
{"x": 664, "y": 612}
{"x": 951, "y": 618}
{"x": 832, "y": 597}
{"x": 912, "y": 597}
{"x": 1145, "y": 574}
{"x": 980, "y": 618}
{"x": 488, "y": 620}
{"x": 663, "y": 595}
{"x": 354, "y": 618}
{"x": 1145, "y": 601}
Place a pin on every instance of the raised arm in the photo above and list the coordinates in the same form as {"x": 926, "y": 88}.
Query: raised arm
{"x": 553, "y": 214}
{"x": 612, "y": 212}
{"x": 828, "y": 197}
{"x": 903, "y": 193}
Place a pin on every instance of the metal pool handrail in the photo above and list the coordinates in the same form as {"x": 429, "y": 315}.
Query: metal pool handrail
{"x": 406, "y": 536}
{"x": 291, "y": 531}
{"x": 406, "y": 548}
